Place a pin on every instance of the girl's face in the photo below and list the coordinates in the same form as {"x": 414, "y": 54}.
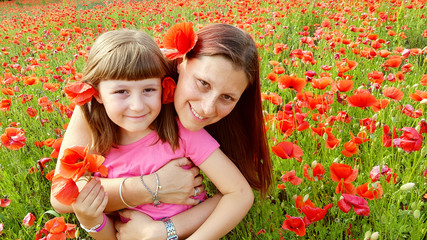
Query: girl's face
{"x": 132, "y": 105}
{"x": 208, "y": 89}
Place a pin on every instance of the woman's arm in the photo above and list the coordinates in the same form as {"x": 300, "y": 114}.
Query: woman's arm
{"x": 140, "y": 226}
{"x": 177, "y": 183}
{"x": 236, "y": 201}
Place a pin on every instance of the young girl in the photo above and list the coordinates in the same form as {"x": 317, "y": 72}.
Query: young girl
{"x": 138, "y": 135}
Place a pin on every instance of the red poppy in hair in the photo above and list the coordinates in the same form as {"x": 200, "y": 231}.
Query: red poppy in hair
{"x": 79, "y": 92}
{"x": 180, "y": 38}
{"x": 168, "y": 90}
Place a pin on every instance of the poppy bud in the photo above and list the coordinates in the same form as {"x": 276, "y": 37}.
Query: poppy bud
{"x": 407, "y": 186}
{"x": 415, "y": 85}
{"x": 375, "y": 117}
{"x": 417, "y": 214}
{"x": 367, "y": 235}
{"x": 314, "y": 164}
{"x": 306, "y": 197}
{"x": 375, "y": 236}
{"x": 336, "y": 160}
{"x": 424, "y": 101}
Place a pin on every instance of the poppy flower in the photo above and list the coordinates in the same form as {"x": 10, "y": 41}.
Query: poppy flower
{"x": 376, "y": 77}
{"x": 13, "y": 138}
{"x": 274, "y": 98}
{"x": 380, "y": 104}
{"x": 386, "y": 138}
{"x": 79, "y": 92}
{"x": 409, "y": 111}
{"x": 376, "y": 173}
{"x": 300, "y": 203}
{"x": 370, "y": 191}
{"x": 418, "y": 95}
{"x": 345, "y": 65}
{"x": 359, "y": 204}
{"x": 350, "y": 148}
{"x": 393, "y": 93}
{"x": 369, "y": 124}
{"x": 64, "y": 190}
{"x": 31, "y": 112}
{"x": 58, "y": 229}
{"x": 361, "y": 99}
{"x": 321, "y": 83}
{"x": 4, "y": 202}
{"x": 28, "y": 220}
{"x": 344, "y": 85}
{"x": 315, "y": 174}
{"x": 180, "y": 39}
{"x": 76, "y": 161}
{"x": 56, "y": 147}
{"x": 393, "y": 61}
{"x": 292, "y": 82}
{"x": 423, "y": 80}
{"x": 343, "y": 172}
{"x": 272, "y": 77}
{"x": 345, "y": 187}
{"x": 5, "y": 104}
{"x": 286, "y": 150}
{"x": 294, "y": 224}
{"x": 409, "y": 141}
{"x": 7, "y": 91}
{"x": 291, "y": 177}
{"x": 331, "y": 141}
{"x": 314, "y": 214}
{"x": 168, "y": 90}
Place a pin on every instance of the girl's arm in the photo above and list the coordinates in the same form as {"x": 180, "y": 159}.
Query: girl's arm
{"x": 177, "y": 183}
{"x": 236, "y": 201}
{"x": 140, "y": 226}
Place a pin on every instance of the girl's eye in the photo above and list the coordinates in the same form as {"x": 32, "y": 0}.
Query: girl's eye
{"x": 204, "y": 84}
{"x": 121, "y": 91}
{"x": 149, "y": 90}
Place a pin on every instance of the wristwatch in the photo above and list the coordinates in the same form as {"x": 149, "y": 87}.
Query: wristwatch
{"x": 170, "y": 229}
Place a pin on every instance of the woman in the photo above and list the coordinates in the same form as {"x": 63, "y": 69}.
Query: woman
{"x": 207, "y": 96}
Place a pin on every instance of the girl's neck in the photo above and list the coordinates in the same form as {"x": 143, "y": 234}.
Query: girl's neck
{"x": 127, "y": 138}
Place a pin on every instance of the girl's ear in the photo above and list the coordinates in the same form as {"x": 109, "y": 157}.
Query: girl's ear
{"x": 98, "y": 99}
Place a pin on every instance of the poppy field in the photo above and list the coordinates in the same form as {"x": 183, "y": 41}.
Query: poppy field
{"x": 344, "y": 90}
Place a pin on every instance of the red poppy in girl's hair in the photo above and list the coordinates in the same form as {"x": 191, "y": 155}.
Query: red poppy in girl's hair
{"x": 180, "y": 38}
{"x": 370, "y": 191}
{"x": 13, "y": 138}
{"x": 359, "y": 204}
{"x": 79, "y": 92}
{"x": 393, "y": 93}
{"x": 293, "y": 82}
{"x": 314, "y": 214}
{"x": 294, "y": 224}
{"x": 361, "y": 99}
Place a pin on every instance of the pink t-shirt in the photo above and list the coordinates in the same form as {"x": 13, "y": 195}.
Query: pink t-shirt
{"x": 147, "y": 156}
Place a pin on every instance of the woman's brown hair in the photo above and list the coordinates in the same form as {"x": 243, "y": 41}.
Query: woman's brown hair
{"x": 125, "y": 55}
{"x": 241, "y": 133}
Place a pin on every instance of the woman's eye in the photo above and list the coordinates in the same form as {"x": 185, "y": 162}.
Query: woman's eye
{"x": 227, "y": 98}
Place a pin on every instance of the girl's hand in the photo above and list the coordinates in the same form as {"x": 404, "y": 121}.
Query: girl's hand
{"x": 179, "y": 182}
{"x": 90, "y": 203}
{"x": 140, "y": 226}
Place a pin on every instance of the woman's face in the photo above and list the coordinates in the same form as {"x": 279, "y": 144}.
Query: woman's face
{"x": 208, "y": 89}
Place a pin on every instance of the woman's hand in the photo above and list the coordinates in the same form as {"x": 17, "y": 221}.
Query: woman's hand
{"x": 140, "y": 226}
{"x": 179, "y": 182}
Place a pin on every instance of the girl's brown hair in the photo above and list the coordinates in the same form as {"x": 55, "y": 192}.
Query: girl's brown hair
{"x": 241, "y": 133}
{"x": 125, "y": 55}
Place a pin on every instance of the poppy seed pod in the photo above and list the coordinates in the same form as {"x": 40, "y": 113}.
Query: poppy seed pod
{"x": 407, "y": 186}
{"x": 375, "y": 236}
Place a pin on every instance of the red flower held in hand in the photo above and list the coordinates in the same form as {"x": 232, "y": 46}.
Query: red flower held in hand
{"x": 180, "y": 38}
{"x": 13, "y": 138}
{"x": 168, "y": 90}
{"x": 64, "y": 190}
{"x": 360, "y": 205}
{"x": 79, "y": 92}
{"x": 294, "y": 224}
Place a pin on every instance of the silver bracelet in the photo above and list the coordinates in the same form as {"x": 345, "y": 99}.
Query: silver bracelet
{"x": 170, "y": 229}
{"x": 156, "y": 201}
{"x": 120, "y": 193}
